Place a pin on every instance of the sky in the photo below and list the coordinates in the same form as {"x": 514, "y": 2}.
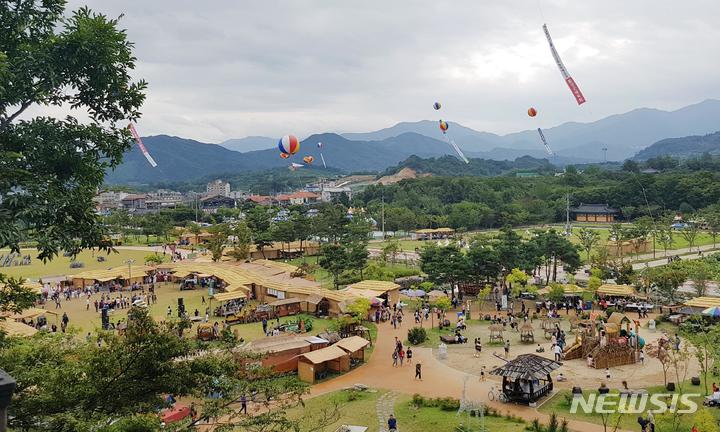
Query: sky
{"x": 226, "y": 69}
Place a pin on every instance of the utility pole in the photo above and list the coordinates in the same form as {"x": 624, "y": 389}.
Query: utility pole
{"x": 604, "y": 154}
{"x": 130, "y": 263}
{"x": 567, "y": 214}
{"x": 383, "y": 213}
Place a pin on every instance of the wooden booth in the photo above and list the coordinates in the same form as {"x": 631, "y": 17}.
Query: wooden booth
{"x": 285, "y": 307}
{"x": 355, "y": 346}
{"x": 526, "y": 378}
{"x": 317, "y": 364}
{"x": 281, "y": 353}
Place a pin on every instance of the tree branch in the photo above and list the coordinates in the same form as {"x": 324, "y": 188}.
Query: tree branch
{"x": 6, "y": 121}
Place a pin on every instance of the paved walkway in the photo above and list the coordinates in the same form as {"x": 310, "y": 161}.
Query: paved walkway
{"x": 439, "y": 380}
{"x": 385, "y": 406}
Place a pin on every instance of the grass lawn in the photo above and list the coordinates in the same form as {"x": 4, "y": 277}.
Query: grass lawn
{"x": 61, "y": 265}
{"x": 560, "y": 405}
{"x": 360, "y": 410}
{"x": 434, "y": 333}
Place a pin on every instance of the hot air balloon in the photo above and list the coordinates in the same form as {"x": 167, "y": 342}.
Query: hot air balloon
{"x": 320, "y": 145}
{"x": 443, "y": 126}
{"x": 532, "y": 112}
{"x": 308, "y": 159}
{"x": 284, "y": 155}
{"x": 437, "y": 105}
{"x": 289, "y": 144}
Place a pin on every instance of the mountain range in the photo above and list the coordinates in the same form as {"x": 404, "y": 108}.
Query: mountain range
{"x": 685, "y": 147}
{"x": 623, "y": 135}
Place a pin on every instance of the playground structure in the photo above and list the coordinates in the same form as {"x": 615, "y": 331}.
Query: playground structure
{"x": 527, "y": 334}
{"x": 549, "y": 325}
{"x": 496, "y": 333}
{"x": 606, "y": 344}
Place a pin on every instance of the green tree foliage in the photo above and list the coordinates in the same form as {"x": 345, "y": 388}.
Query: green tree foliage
{"x": 359, "y": 308}
{"x": 68, "y": 384}
{"x": 335, "y": 259}
{"x": 153, "y": 259}
{"x": 444, "y": 264}
{"x": 554, "y": 249}
{"x": 690, "y": 233}
{"x": 588, "y": 239}
{"x": 518, "y": 280}
{"x": 52, "y": 168}
{"x": 667, "y": 279}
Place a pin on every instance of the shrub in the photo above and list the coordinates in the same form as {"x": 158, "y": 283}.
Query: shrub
{"x": 417, "y": 335}
{"x": 418, "y": 401}
{"x": 448, "y": 404}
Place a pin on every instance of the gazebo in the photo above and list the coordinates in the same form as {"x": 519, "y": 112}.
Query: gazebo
{"x": 527, "y": 334}
{"x": 496, "y": 333}
{"x": 526, "y": 378}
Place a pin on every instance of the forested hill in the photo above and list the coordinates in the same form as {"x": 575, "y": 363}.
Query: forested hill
{"x": 452, "y": 166}
{"x": 485, "y": 202}
{"x": 684, "y": 147}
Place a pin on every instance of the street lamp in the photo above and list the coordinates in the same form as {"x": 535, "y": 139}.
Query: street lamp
{"x": 7, "y": 386}
{"x": 130, "y": 262}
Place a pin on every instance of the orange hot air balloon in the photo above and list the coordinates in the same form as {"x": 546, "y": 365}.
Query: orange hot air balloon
{"x": 532, "y": 112}
{"x": 308, "y": 159}
{"x": 284, "y": 155}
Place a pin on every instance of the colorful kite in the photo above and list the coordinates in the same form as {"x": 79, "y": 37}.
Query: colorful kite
{"x": 322, "y": 158}
{"x": 289, "y": 144}
{"x": 140, "y": 144}
{"x": 545, "y": 143}
{"x": 565, "y": 74}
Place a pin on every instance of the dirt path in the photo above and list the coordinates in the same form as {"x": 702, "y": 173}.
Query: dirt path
{"x": 438, "y": 380}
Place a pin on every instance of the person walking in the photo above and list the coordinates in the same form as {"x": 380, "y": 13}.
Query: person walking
{"x": 418, "y": 370}
{"x": 558, "y": 352}
{"x": 507, "y": 348}
{"x": 243, "y": 404}
{"x": 401, "y": 353}
{"x": 408, "y": 354}
{"x": 395, "y": 358}
{"x": 392, "y": 423}
{"x": 264, "y": 326}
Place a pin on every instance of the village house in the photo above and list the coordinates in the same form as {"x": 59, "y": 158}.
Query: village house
{"x": 594, "y": 213}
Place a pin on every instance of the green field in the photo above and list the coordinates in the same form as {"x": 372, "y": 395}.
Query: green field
{"x": 60, "y": 265}
{"x": 361, "y": 411}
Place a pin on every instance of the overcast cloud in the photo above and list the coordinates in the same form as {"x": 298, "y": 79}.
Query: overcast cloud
{"x": 226, "y": 69}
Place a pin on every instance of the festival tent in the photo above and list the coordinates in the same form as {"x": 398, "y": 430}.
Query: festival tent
{"x": 617, "y": 290}
{"x": 16, "y": 329}
{"x": 355, "y": 346}
{"x": 312, "y": 364}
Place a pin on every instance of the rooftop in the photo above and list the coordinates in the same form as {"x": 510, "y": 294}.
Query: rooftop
{"x": 594, "y": 209}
